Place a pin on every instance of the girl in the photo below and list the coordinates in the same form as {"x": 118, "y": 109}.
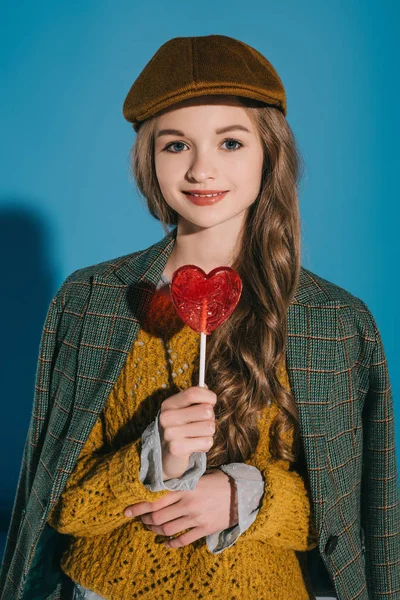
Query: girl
{"x": 278, "y": 480}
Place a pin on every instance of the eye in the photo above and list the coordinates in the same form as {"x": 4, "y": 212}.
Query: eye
{"x": 168, "y": 146}
{"x": 171, "y": 144}
{"x": 235, "y": 142}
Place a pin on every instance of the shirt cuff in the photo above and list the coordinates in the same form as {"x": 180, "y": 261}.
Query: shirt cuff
{"x": 151, "y": 464}
{"x": 250, "y": 489}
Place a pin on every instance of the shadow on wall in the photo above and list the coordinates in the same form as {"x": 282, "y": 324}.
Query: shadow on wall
{"x": 27, "y": 286}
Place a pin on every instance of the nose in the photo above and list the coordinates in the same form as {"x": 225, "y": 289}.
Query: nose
{"x": 201, "y": 167}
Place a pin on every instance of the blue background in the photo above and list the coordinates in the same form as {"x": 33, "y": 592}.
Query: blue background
{"x": 67, "y": 199}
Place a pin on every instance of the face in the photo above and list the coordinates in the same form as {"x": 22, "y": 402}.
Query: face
{"x": 197, "y": 156}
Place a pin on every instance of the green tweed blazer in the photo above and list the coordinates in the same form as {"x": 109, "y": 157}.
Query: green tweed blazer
{"x": 339, "y": 377}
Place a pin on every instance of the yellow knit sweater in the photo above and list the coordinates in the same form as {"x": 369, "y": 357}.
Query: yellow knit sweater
{"x": 118, "y": 557}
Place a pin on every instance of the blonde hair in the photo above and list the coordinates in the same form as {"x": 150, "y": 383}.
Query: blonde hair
{"x": 244, "y": 352}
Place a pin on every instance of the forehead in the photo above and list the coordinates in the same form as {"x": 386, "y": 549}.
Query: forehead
{"x": 203, "y": 100}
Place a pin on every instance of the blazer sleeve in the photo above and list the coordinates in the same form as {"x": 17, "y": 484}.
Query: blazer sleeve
{"x": 101, "y": 486}
{"x": 380, "y": 502}
{"x": 47, "y": 353}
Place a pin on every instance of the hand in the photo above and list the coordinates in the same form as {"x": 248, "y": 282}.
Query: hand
{"x": 186, "y": 425}
{"x": 209, "y": 508}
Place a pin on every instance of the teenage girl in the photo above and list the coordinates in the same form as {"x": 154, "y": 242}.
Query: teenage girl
{"x": 172, "y": 490}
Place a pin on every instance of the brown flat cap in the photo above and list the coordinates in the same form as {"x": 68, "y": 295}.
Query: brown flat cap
{"x": 185, "y": 67}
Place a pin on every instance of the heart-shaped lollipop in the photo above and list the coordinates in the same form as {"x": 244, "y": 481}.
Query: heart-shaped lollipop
{"x": 204, "y": 301}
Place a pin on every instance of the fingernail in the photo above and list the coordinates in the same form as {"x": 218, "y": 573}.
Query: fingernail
{"x": 128, "y": 513}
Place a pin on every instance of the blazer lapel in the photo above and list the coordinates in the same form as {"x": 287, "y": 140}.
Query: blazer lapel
{"x": 311, "y": 363}
{"x": 120, "y": 298}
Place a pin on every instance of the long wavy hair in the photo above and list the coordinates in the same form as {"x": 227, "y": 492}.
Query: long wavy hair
{"x": 245, "y": 351}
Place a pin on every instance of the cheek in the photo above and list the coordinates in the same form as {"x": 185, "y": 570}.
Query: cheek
{"x": 257, "y": 167}
{"x": 249, "y": 167}
{"x": 161, "y": 171}
{"x": 248, "y": 177}
{"x": 168, "y": 174}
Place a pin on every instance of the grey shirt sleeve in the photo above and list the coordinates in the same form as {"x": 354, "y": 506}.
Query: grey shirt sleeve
{"x": 248, "y": 479}
{"x": 250, "y": 489}
{"x": 151, "y": 464}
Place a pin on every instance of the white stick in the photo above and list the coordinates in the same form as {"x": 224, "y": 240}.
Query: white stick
{"x": 203, "y": 337}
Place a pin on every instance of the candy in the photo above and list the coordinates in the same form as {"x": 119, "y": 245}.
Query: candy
{"x": 205, "y": 301}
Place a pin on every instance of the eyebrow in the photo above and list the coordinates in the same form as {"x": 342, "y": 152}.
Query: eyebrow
{"x": 217, "y": 131}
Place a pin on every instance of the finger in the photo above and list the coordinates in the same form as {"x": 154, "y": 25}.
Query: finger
{"x": 172, "y": 527}
{"x": 164, "y": 515}
{"x": 190, "y": 414}
{"x": 192, "y": 395}
{"x": 184, "y": 447}
{"x": 186, "y": 538}
{"x": 135, "y": 510}
{"x": 189, "y": 430}
{"x": 141, "y": 508}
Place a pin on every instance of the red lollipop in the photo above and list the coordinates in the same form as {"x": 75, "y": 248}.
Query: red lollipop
{"x": 204, "y": 301}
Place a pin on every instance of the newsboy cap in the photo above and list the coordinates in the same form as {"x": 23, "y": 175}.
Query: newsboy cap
{"x": 184, "y": 67}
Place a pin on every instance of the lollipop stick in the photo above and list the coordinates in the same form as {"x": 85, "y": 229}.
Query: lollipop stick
{"x": 202, "y": 357}
{"x": 203, "y": 326}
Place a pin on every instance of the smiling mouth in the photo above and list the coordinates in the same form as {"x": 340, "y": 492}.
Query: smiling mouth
{"x": 203, "y": 199}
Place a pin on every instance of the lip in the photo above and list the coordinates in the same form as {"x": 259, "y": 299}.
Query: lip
{"x": 204, "y": 191}
{"x": 205, "y": 201}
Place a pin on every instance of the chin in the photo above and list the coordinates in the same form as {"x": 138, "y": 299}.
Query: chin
{"x": 198, "y": 225}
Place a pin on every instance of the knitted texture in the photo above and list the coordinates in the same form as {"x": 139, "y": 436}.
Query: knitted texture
{"x": 119, "y": 558}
